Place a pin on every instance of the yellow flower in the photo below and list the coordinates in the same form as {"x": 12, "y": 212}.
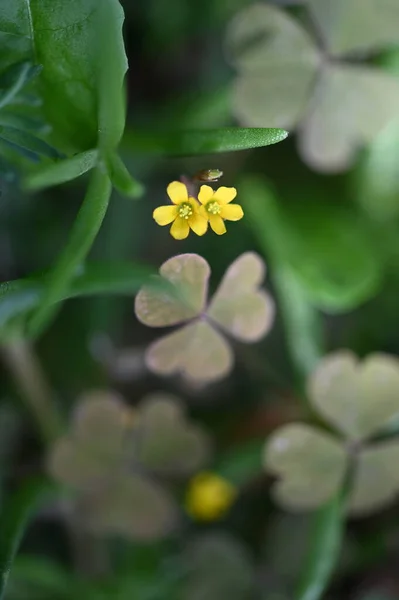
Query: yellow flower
{"x": 209, "y": 496}
{"x": 183, "y": 213}
{"x": 216, "y": 207}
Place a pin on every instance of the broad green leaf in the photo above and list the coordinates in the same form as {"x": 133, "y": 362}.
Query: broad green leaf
{"x": 196, "y": 351}
{"x": 277, "y": 62}
{"x": 351, "y": 106}
{"x": 189, "y": 273}
{"x": 14, "y": 516}
{"x": 83, "y": 234}
{"x": 357, "y": 398}
{"x": 26, "y": 143}
{"x": 238, "y": 305}
{"x": 310, "y": 466}
{"x": 376, "y": 479}
{"x": 201, "y": 141}
{"x": 330, "y": 252}
{"x": 81, "y": 83}
{"x": 353, "y": 25}
{"x": 167, "y": 441}
{"x": 62, "y": 171}
{"x": 121, "y": 178}
{"x": 18, "y": 297}
{"x": 325, "y": 548}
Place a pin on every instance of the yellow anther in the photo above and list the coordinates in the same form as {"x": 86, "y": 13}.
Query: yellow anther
{"x": 213, "y": 207}
{"x": 185, "y": 210}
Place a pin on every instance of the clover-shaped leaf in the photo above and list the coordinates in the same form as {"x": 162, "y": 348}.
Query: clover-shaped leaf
{"x": 219, "y": 567}
{"x": 167, "y": 442}
{"x": 358, "y": 399}
{"x": 198, "y": 350}
{"x": 284, "y": 79}
{"x": 301, "y": 455}
{"x": 94, "y": 459}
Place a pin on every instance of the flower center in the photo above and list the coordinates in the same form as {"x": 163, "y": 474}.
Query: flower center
{"x": 185, "y": 210}
{"x": 213, "y": 207}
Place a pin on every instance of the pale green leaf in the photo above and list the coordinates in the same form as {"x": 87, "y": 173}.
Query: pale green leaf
{"x": 189, "y": 274}
{"x": 310, "y": 464}
{"x": 353, "y": 25}
{"x": 132, "y": 506}
{"x": 239, "y": 306}
{"x": 376, "y": 479}
{"x": 351, "y": 106}
{"x": 358, "y": 398}
{"x": 277, "y": 63}
{"x": 197, "y": 352}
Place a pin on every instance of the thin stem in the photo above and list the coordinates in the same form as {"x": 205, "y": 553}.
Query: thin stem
{"x": 33, "y": 387}
{"x": 84, "y": 232}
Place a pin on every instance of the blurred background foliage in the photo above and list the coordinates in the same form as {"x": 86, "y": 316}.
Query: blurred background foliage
{"x": 322, "y": 210}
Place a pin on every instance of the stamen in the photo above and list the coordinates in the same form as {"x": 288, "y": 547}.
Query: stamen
{"x": 213, "y": 207}
{"x": 185, "y": 210}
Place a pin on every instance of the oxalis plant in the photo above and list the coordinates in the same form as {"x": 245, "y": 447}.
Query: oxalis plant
{"x": 140, "y": 474}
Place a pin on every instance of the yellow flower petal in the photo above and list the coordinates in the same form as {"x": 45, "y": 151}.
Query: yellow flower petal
{"x": 217, "y": 224}
{"x": 164, "y": 215}
{"x": 177, "y": 192}
{"x": 203, "y": 212}
{"x": 198, "y": 223}
{"x": 180, "y": 229}
{"x": 205, "y": 194}
{"x": 224, "y": 195}
{"x": 232, "y": 212}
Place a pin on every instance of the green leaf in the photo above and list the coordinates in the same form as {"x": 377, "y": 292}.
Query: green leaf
{"x": 326, "y": 249}
{"x": 62, "y": 171}
{"x": 27, "y": 144}
{"x": 18, "y": 297}
{"x": 328, "y": 533}
{"x": 84, "y": 231}
{"x": 121, "y": 178}
{"x": 81, "y": 84}
{"x": 14, "y": 518}
{"x": 202, "y": 141}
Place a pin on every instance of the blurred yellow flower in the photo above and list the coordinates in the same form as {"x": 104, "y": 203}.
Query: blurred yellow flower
{"x": 216, "y": 207}
{"x": 209, "y": 496}
{"x": 183, "y": 213}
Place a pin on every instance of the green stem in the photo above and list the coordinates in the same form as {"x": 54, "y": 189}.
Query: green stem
{"x": 28, "y": 376}
{"x": 84, "y": 232}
